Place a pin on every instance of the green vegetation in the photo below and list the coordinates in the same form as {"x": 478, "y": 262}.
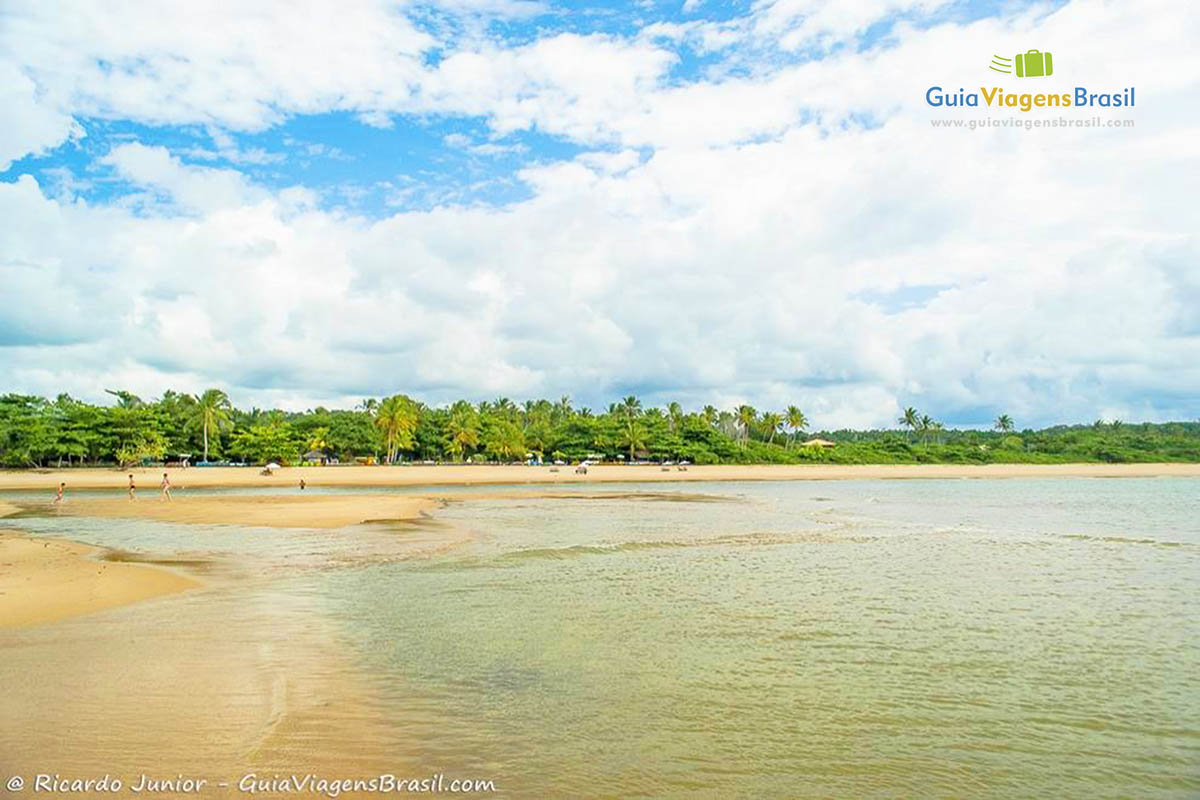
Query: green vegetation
{"x": 35, "y": 432}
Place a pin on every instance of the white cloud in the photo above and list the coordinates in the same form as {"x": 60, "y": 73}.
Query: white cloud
{"x": 727, "y": 240}
{"x": 189, "y": 187}
{"x": 30, "y": 126}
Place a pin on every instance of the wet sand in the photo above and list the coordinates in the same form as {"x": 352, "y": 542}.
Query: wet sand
{"x": 42, "y": 580}
{"x": 272, "y": 511}
{"x": 464, "y": 475}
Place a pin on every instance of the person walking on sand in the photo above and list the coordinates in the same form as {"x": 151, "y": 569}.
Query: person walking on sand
{"x": 58, "y": 498}
{"x": 132, "y": 489}
{"x": 166, "y": 487}
{"x": 302, "y": 484}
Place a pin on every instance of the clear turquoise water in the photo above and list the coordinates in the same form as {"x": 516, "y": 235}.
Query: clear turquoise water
{"x": 944, "y": 638}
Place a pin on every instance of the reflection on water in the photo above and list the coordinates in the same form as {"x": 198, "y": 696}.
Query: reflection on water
{"x": 904, "y": 638}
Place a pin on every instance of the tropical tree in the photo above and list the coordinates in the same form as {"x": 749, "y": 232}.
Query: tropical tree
{"x": 925, "y": 425}
{"x": 212, "y": 413}
{"x": 675, "y": 415}
{"x": 504, "y": 407}
{"x": 1004, "y": 423}
{"x": 746, "y": 417}
{"x": 910, "y": 419}
{"x": 630, "y": 406}
{"x": 633, "y": 437}
{"x": 771, "y": 423}
{"x": 318, "y": 439}
{"x": 462, "y": 429}
{"x": 503, "y": 440}
{"x": 397, "y": 418}
{"x": 125, "y": 399}
{"x": 632, "y": 434}
{"x": 795, "y": 420}
{"x": 273, "y": 441}
{"x": 562, "y": 409}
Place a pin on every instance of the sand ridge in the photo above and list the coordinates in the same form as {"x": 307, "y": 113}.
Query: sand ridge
{"x": 275, "y": 511}
{"x": 48, "y": 579}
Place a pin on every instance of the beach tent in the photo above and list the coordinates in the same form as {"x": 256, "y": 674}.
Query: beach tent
{"x": 819, "y": 443}
{"x": 272, "y": 465}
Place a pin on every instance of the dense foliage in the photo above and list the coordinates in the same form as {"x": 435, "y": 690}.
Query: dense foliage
{"x": 35, "y": 432}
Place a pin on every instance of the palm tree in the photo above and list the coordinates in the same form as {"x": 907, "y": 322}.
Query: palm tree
{"x": 630, "y": 406}
{"x": 709, "y": 415}
{"x": 126, "y": 399}
{"x": 632, "y": 436}
{"x": 563, "y": 407}
{"x": 212, "y": 412}
{"x": 397, "y": 417}
{"x": 925, "y": 425}
{"x": 462, "y": 429}
{"x": 795, "y": 420}
{"x": 504, "y": 407}
{"x": 1004, "y": 423}
{"x": 746, "y": 417}
{"x": 910, "y": 419}
{"x": 674, "y": 415}
{"x": 772, "y": 422}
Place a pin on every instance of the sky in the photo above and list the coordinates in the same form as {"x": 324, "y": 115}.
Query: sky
{"x": 710, "y": 201}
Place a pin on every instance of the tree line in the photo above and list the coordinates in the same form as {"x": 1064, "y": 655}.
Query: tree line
{"x": 207, "y": 428}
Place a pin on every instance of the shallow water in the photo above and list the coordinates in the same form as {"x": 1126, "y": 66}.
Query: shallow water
{"x": 1008, "y": 638}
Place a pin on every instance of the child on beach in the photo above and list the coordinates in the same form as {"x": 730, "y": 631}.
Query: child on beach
{"x": 132, "y": 489}
{"x": 166, "y": 487}
{"x": 58, "y": 498}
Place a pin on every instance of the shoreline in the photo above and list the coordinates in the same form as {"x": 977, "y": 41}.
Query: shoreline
{"x": 467, "y": 475}
{"x": 45, "y": 580}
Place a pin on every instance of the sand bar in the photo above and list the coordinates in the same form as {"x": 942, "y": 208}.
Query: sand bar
{"x": 416, "y": 475}
{"x": 273, "y": 511}
{"x": 48, "y": 579}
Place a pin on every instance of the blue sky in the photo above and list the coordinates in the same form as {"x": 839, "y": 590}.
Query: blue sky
{"x": 410, "y": 162}
{"x": 715, "y": 202}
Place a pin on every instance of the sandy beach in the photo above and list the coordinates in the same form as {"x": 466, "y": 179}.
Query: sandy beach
{"x": 48, "y": 579}
{"x": 466, "y": 475}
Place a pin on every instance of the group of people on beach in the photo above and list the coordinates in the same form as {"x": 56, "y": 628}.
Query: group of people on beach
{"x": 164, "y": 488}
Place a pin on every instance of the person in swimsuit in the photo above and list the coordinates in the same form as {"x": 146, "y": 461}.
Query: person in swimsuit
{"x": 302, "y": 484}
{"x": 132, "y": 489}
{"x": 58, "y": 498}
{"x": 166, "y": 486}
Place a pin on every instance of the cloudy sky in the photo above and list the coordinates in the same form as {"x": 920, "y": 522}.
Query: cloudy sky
{"x": 707, "y": 201}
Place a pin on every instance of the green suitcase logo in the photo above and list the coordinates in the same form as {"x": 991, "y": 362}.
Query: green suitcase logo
{"x": 1033, "y": 64}
{"x": 1030, "y": 64}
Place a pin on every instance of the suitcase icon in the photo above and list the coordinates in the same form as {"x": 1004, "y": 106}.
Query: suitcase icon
{"x": 1034, "y": 64}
